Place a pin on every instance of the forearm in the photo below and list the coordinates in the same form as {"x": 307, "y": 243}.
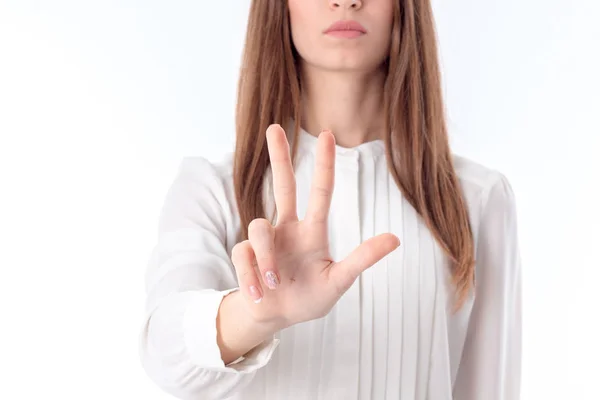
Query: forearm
{"x": 180, "y": 353}
{"x": 237, "y": 332}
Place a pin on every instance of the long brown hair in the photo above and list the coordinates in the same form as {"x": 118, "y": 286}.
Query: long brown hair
{"x": 417, "y": 148}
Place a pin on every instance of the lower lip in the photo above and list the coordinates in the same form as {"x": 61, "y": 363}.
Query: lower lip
{"x": 346, "y": 34}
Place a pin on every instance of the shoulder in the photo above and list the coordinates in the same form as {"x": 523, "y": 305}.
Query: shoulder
{"x": 207, "y": 178}
{"x": 473, "y": 175}
{"x": 484, "y": 188}
{"x": 210, "y": 173}
{"x": 210, "y": 178}
{"x": 478, "y": 179}
{"x": 201, "y": 189}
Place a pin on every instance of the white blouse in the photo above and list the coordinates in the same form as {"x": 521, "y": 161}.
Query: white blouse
{"x": 393, "y": 335}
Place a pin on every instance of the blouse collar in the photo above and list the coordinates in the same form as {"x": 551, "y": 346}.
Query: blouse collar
{"x": 374, "y": 148}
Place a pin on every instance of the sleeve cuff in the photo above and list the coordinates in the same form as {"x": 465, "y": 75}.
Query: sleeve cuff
{"x": 200, "y": 333}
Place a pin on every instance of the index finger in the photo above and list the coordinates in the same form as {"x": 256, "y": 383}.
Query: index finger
{"x": 284, "y": 181}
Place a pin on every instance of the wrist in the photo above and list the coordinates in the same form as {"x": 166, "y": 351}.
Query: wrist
{"x": 265, "y": 327}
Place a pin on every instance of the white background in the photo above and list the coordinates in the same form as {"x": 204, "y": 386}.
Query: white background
{"x": 99, "y": 100}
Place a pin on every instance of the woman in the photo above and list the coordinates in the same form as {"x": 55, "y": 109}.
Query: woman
{"x": 260, "y": 286}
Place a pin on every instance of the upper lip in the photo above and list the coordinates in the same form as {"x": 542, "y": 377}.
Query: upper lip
{"x": 346, "y": 25}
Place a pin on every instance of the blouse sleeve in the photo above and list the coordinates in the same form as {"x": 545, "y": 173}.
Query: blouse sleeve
{"x": 490, "y": 367}
{"x": 189, "y": 273}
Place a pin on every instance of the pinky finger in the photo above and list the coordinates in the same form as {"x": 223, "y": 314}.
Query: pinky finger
{"x": 244, "y": 260}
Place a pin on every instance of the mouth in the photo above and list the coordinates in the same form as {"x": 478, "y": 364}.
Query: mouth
{"x": 346, "y": 29}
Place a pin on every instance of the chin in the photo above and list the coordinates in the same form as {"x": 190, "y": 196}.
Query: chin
{"x": 351, "y": 65}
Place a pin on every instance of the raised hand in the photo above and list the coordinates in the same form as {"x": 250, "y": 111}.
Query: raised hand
{"x": 285, "y": 272}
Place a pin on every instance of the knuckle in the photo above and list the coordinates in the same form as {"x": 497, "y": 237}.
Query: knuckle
{"x": 248, "y": 276}
{"x": 325, "y": 165}
{"x": 237, "y": 250}
{"x": 287, "y": 190}
{"x": 322, "y": 191}
{"x": 265, "y": 262}
{"x": 258, "y": 225}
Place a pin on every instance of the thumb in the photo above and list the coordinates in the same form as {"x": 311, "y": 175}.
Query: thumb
{"x": 344, "y": 273}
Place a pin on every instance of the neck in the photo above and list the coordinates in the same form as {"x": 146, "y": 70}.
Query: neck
{"x": 350, "y": 104}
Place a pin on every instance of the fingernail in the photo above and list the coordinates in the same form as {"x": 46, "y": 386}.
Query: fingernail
{"x": 272, "y": 280}
{"x": 255, "y": 294}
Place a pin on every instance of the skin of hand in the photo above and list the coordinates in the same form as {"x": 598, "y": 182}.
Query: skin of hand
{"x": 285, "y": 271}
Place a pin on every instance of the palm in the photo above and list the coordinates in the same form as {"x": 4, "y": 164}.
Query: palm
{"x": 306, "y": 278}
{"x": 309, "y": 281}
